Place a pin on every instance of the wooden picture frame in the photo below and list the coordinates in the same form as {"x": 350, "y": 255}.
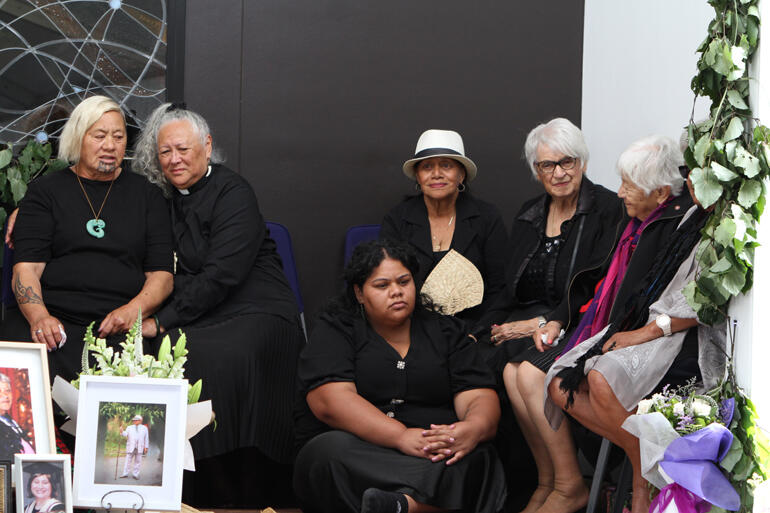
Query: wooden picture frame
{"x": 5, "y": 486}
{"x": 25, "y": 400}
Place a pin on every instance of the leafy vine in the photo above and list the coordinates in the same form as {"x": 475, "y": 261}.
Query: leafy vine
{"x": 729, "y": 157}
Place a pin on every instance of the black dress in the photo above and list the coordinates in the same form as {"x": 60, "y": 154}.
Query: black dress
{"x": 333, "y": 468}
{"x": 232, "y": 301}
{"x": 85, "y": 277}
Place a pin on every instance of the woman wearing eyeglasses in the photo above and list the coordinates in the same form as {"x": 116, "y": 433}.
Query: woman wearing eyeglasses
{"x": 651, "y": 191}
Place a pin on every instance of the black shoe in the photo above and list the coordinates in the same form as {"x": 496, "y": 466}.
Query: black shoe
{"x": 379, "y": 501}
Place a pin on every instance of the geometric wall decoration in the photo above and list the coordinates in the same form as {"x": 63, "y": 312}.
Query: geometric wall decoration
{"x": 53, "y": 54}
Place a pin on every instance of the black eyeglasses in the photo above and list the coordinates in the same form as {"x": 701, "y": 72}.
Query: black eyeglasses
{"x": 547, "y": 167}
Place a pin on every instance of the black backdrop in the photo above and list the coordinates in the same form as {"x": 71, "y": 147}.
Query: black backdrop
{"x": 318, "y": 102}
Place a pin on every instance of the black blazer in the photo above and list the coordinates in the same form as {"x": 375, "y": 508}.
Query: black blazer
{"x": 590, "y": 238}
{"x": 479, "y": 236}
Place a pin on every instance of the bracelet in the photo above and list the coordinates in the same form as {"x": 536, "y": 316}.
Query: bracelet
{"x": 157, "y": 324}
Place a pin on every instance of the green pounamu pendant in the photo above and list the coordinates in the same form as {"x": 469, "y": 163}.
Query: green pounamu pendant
{"x": 95, "y": 228}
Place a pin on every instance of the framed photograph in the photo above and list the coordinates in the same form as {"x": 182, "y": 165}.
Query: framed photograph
{"x": 131, "y": 434}
{"x": 5, "y": 487}
{"x": 43, "y": 483}
{"x": 26, "y": 411}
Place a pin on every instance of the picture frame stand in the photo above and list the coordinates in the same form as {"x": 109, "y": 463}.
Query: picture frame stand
{"x": 108, "y": 505}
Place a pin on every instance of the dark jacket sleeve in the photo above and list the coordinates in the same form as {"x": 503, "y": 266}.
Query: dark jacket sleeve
{"x": 159, "y": 251}
{"x": 237, "y": 233}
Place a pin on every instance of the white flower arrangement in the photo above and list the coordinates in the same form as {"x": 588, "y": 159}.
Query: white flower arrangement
{"x": 132, "y": 361}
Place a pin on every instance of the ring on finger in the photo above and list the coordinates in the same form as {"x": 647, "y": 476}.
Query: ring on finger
{"x": 38, "y": 331}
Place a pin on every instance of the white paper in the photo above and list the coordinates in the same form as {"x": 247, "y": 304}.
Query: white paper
{"x": 654, "y": 432}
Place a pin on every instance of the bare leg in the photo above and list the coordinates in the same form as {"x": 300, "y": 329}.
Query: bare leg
{"x": 569, "y": 491}
{"x": 535, "y": 441}
{"x": 418, "y": 507}
{"x": 597, "y": 408}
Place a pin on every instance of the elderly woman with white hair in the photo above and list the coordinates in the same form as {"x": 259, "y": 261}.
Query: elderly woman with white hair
{"x": 93, "y": 243}
{"x": 652, "y": 192}
{"x": 234, "y": 304}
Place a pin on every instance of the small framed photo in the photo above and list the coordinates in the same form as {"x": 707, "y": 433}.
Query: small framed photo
{"x": 5, "y": 487}
{"x": 26, "y": 411}
{"x": 43, "y": 483}
{"x": 131, "y": 434}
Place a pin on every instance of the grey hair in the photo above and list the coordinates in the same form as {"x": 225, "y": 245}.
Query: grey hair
{"x": 652, "y": 162}
{"x": 82, "y": 118}
{"x": 4, "y": 378}
{"x": 560, "y": 135}
{"x": 146, "y": 161}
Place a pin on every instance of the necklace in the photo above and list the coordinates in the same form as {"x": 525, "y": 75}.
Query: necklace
{"x": 436, "y": 241}
{"x": 95, "y": 227}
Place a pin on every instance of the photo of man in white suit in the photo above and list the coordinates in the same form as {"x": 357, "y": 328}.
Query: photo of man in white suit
{"x": 137, "y": 443}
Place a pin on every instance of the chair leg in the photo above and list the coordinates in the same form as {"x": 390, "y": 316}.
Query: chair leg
{"x": 599, "y": 470}
{"x": 625, "y": 482}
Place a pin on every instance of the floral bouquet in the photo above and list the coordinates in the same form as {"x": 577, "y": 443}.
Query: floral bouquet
{"x": 703, "y": 451}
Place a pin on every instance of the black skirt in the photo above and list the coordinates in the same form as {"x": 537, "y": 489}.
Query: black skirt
{"x": 333, "y": 470}
{"x": 248, "y": 365}
{"x": 528, "y": 353}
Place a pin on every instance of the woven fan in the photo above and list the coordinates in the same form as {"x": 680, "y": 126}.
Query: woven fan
{"x": 454, "y": 284}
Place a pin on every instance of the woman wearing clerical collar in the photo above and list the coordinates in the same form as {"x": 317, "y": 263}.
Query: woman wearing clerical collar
{"x": 93, "y": 243}
{"x": 230, "y": 298}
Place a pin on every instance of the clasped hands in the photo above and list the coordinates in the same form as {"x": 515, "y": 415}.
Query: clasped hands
{"x": 449, "y": 442}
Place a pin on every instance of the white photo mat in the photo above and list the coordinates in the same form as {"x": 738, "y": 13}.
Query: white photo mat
{"x": 105, "y": 389}
{"x": 65, "y": 478}
{"x": 34, "y": 358}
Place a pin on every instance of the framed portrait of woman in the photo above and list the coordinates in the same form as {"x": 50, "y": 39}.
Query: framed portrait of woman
{"x": 43, "y": 483}
{"x": 26, "y": 411}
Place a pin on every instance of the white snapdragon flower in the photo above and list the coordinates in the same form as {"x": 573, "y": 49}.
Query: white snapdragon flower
{"x": 701, "y": 408}
{"x": 644, "y": 406}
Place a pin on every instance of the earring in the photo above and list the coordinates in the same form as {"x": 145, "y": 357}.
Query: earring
{"x": 417, "y": 187}
{"x": 461, "y": 187}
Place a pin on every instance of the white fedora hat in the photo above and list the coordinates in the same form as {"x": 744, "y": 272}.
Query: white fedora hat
{"x": 440, "y": 143}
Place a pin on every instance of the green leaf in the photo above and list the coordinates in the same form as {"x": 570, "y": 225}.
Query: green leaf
{"x": 712, "y": 286}
{"x": 18, "y": 185}
{"x": 194, "y": 392}
{"x": 749, "y": 193}
{"x": 689, "y": 294}
{"x": 752, "y": 11}
{"x": 734, "y": 129}
{"x": 730, "y": 150}
{"x": 725, "y": 233}
{"x": 721, "y": 266}
{"x": 736, "y": 100}
{"x": 5, "y": 157}
{"x": 701, "y": 148}
{"x": 748, "y": 162}
{"x": 733, "y": 455}
{"x": 56, "y": 165}
{"x": 707, "y": 187}
{"x": 738, "y": 58}
{"x": 723, "y": 173}
{"x": 733, "y": 280}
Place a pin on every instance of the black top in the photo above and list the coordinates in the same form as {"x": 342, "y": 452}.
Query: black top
{"x": 589, "y": 240}
{"x": 226, "y": 263}
{"x": 417, "y": 390}
{"x": 479, "y": 236}
{"x": 85, "y": 278}
{"x": 538, "y": 283}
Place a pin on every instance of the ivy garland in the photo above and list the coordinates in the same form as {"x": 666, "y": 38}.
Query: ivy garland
{"x": 729, "y": 160}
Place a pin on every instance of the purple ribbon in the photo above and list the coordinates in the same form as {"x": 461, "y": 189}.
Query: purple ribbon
{"x": 685, "y": 502}
{"x": 691, "y": 462}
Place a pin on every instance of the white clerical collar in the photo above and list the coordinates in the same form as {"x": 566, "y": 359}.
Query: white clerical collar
{"x": 185, "y": 192}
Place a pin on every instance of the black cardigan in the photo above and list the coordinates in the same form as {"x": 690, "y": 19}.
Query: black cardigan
{"x": 479, "y": 236}
{"x": 595, "y": 228}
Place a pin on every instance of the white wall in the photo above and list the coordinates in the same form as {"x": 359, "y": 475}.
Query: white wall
{"x": 638, "y": 60}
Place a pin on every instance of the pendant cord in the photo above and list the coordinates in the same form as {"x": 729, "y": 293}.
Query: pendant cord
{"x": 104, "y": 201}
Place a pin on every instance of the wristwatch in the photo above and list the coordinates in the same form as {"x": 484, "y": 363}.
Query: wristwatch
{"x": 664, "y": 322}
{"x": 541, "y": 321}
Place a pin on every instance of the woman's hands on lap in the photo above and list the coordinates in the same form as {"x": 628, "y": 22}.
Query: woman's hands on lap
{"x": 551, "y": 331}
{"x": 47, "y": 330}
{"x": 119, "y": 320}
{"x": 513, "y": 330}
{"x": 456, "y": 440}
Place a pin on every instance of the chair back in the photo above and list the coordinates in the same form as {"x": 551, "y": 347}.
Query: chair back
{"x": 280, "y": 234}
{"x": 358, "y": 234}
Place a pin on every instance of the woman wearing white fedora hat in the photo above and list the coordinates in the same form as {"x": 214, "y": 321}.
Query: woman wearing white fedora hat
{"x": 460, "y": 240}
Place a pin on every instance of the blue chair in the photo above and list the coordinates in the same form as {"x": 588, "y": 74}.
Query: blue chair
{"x": 358, "y": 234}
{"x": 6, "y": 291}
{"x": 280, "y": 234}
